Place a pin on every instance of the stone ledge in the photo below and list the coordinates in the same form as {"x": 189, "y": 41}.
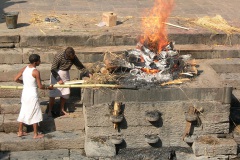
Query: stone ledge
{"x": 212, "y": 146}
{"x": 53, "y": 140}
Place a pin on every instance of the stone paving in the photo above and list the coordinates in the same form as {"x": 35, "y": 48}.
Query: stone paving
{"x": 80, "y": 16}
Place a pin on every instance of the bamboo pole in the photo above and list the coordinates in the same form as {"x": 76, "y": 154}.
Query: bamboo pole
{"x": 76, "y": 86}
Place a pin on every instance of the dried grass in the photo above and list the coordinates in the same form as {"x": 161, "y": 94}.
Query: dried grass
{"x": 208, "y": 140}
{"x": 99, "y": 78}
{"x": 217, "y": 23}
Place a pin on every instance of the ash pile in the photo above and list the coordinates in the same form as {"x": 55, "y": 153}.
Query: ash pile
{"x": 145, "y": 67}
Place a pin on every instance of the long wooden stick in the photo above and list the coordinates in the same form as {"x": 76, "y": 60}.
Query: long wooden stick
{"x": 76, "y": 86}
{"x": 174, "y": 25}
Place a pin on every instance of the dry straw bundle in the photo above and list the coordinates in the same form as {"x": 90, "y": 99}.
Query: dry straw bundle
{"x": 208, "y": 140}
{"x": 216, "y": 23}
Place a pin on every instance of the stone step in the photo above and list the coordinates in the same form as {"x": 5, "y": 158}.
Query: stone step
{"x": 85, "y": 54}
{"x": 10, "y": 71}
{"x": 73, "y": 121}
{"x": 51, "y": 141}
{"x": 45, "y": 154}
{"x": 10, "y": 108}
{"x": 71, "y": 154}
{"x": 12, "y": 105}
{"x": 93, "y": 54}
{"x": 110, "y": 38}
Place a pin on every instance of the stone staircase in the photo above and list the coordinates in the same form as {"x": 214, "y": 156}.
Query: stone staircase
{"x": 65, "y": 136}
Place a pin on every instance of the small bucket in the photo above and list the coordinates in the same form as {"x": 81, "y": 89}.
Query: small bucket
{"x": 11, "y": 19}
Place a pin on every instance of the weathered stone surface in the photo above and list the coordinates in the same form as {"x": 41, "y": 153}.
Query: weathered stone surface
{"x": 11, "y": 142}
{"x": 10, "y": 93}
{"x": 8, "y": 45}
{"x": 13, "y": 105}
{"x": 77, "y": 154}
{"x": 10, "y": 106}
{"x": 1, "y": 122}
{"x": 154, "y": 94}
{"x": 10, "y": 123}
{"x": 170, "y": 127}
{"x": 108, "y": 131}
{"x": 73, "y": 122}
{"x": 4, "y": 155}
{"x": 11, "y": 70}
{"x": 11, "y": 56}
{"x": 212, "y": 146}
{"x": 64, "y": 140}
{"x": 9, "y": 38}
{"x": 39, "y": 155}
{"x": 45, "y": 54}
{"x": 187, "y": 156}
{"x": 55, "y": 40}
{"x": 99, "y": 147}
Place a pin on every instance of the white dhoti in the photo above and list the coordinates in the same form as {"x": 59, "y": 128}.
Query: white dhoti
{"x": 60, "y": 92}
{"x": 30, "y": 112}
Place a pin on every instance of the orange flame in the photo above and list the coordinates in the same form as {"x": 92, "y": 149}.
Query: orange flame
{"x": 154, "y": 27}
{"x": 150, "y": 71}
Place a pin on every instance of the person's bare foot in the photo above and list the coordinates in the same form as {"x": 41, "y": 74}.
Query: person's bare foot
{"x": 63, "y": 113}
{"x": 20, "y": 134}
{"x": 38, "y": 136}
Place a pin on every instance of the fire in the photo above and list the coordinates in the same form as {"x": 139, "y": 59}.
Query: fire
{"x": 154, "y": 27}
{"x": 150, "y": 71}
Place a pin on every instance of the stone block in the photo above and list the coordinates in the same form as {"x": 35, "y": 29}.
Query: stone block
{"x": 53, "y": 40}
{"x": 43, "y": 154}
{"x": 10, "y": 123}
{"x": 9, "y": 38}
{"x": 69, "y": 124}
{"x": 11, "y": 56}
{"x": 212, "y": 146}
{"x": 10, "y": 105}
{"x": 1, "y": 122}
{"x": 4, "y": 155}
{"x": 11, "y": 142}
{"x": 45, "y": 54}
{"x": 108, "y": 131}
{"x": 64, "y": 140}
{"x": 77, "y": 154}
{"x": 211, "y": 128}
{"x": 99, "y": 147}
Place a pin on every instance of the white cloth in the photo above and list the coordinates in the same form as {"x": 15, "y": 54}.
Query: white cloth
{"x": 30, "y": 111}
{"x": 60, "y": 92}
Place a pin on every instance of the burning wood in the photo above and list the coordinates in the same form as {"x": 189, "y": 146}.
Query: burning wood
{"x": 154, "y": 60}
{"x": 144, "y": 65}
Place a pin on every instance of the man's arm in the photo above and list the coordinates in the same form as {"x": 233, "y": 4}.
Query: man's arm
{"x": 78, "y": 64}
{"x": 55, "y": 66}
{"x": 36, "y": 74}
{"x": 16, "y": 79}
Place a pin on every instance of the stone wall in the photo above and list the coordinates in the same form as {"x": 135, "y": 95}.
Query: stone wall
{"x": 172, "y": 107}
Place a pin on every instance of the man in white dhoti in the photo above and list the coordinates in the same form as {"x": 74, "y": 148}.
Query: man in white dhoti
{"x": 61, "y": 65}
{"x": 30, "y": 112}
